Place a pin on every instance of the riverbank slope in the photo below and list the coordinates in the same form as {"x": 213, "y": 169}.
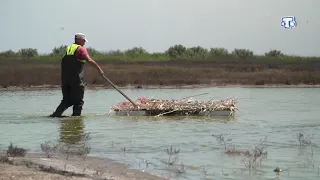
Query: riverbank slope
{"x": 37, "y": 166}
{"x": 177, "y": 73}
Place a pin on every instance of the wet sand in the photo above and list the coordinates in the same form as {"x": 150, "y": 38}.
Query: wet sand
{"x": 96, "y": 87}
{"x": 10, "y": 172}
{"x": 36, "y": 166}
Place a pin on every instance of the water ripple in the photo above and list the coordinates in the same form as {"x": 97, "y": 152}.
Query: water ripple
{"x": 278, "y": 114}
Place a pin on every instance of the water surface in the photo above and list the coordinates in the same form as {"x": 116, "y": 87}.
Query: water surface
{"x": 279, "y": 114}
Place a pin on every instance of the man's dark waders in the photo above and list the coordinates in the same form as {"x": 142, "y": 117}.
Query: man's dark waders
{"x": 71, "y": 83}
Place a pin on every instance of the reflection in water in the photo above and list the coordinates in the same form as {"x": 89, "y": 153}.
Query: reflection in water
{"x": 183, "y": 119}
{"x": 73, "y": 140}
{"x": 72, "y": 130}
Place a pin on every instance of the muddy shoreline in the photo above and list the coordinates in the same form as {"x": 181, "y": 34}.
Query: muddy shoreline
{"x": 38, "y": 166}
{"x": 99, "y": 87}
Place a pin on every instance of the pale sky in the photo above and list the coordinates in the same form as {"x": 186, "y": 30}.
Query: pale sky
{"x": 158, "y": 24}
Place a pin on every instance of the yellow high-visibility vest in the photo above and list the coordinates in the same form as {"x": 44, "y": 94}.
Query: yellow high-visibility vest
{"x": 72, "y": 49}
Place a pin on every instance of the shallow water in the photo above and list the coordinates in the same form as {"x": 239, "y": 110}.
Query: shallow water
{"x": 279, "y": 114}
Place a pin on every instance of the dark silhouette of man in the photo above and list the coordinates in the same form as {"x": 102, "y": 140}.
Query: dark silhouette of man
{"x": 72, "y": 84}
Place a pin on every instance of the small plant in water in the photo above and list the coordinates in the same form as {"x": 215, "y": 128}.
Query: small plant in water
{"x": 310, "y": 161}
{"x": 173, "y": 159}
{"x": 14, "y": 151}
{"x": 253, "y": 158}
{"x": 65, "y": 149}
{"x": 48, "y": 147}
{"x": 303, "y": 141}
{"x": 228, "y": 149}
{"x": 173, "y": 155}
{"x": 181, "y": 169}
{"x": 83, "y": 151}
{"x": 204, "y": 170}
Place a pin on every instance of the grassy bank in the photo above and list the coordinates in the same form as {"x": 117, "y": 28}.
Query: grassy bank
{"x": 177, "y": 66}
{"x": 64, "y": 162}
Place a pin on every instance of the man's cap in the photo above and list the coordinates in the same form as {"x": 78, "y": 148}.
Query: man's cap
{"x": 81, "y": 36}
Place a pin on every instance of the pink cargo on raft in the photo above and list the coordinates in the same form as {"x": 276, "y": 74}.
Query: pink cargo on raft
{"x": 125, "y": 103}
{"x": 142, "y": 100}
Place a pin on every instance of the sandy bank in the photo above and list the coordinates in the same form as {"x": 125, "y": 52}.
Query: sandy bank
{"x": 36, "y": 166}
{"x": 97, "y": 87}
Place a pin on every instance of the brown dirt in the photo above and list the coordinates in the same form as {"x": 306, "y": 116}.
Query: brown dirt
{"x": 34, "y": 166}
{"x": 169, "y": 73}
{"x": 11, "y": 172}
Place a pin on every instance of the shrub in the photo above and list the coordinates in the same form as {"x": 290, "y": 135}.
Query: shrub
{"x": 176, "y": 51}
{"x": 242, "y": 53}
{"x": 135, "y": 52}
{"x": 273, "y": 53}
{"x": 219, "y": 52}
{"x": 196, "y": 52}
{"x": 8, "y": 53}
{"x": 59, "y": 50}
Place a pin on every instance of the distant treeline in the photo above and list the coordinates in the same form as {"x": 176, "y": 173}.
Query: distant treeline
{"x": 140, "y": 54}
{"x": 178, "y": 65}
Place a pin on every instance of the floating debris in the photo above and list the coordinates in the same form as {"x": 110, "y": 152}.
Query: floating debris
{"x": 157, "y": 107}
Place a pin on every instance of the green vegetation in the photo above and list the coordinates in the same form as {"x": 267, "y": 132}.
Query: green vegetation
{"x": 176, "y": 52}
{"x": 178, "y": 65}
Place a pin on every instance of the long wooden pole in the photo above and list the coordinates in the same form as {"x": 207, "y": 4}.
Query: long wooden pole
{"x": 120, "y": 91}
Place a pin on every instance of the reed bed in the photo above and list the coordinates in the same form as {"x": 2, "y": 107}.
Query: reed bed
{"x": 173, "y": 73}
{"x": 157, "y": 107}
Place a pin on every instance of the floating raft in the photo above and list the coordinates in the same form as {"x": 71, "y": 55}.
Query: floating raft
{"x": 190, "y": 107}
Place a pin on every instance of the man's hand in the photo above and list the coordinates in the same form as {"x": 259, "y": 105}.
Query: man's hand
{"x": 101, "y": 72}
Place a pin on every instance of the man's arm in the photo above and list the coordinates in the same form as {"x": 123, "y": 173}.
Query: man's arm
{"x": 82, "y": 53}
{"x": 93, "y": 63}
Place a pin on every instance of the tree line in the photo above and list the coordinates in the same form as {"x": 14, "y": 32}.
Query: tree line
{"x": 173, "y": 52}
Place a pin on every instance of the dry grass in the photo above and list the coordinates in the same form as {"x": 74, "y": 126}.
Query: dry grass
{"x": 157, "y": 107}
{"x": 163, "y": 73}
{"x": 12, "y": 151}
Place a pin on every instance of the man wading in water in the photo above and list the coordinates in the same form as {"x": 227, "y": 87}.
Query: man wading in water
{"x": 72, "y": 76}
